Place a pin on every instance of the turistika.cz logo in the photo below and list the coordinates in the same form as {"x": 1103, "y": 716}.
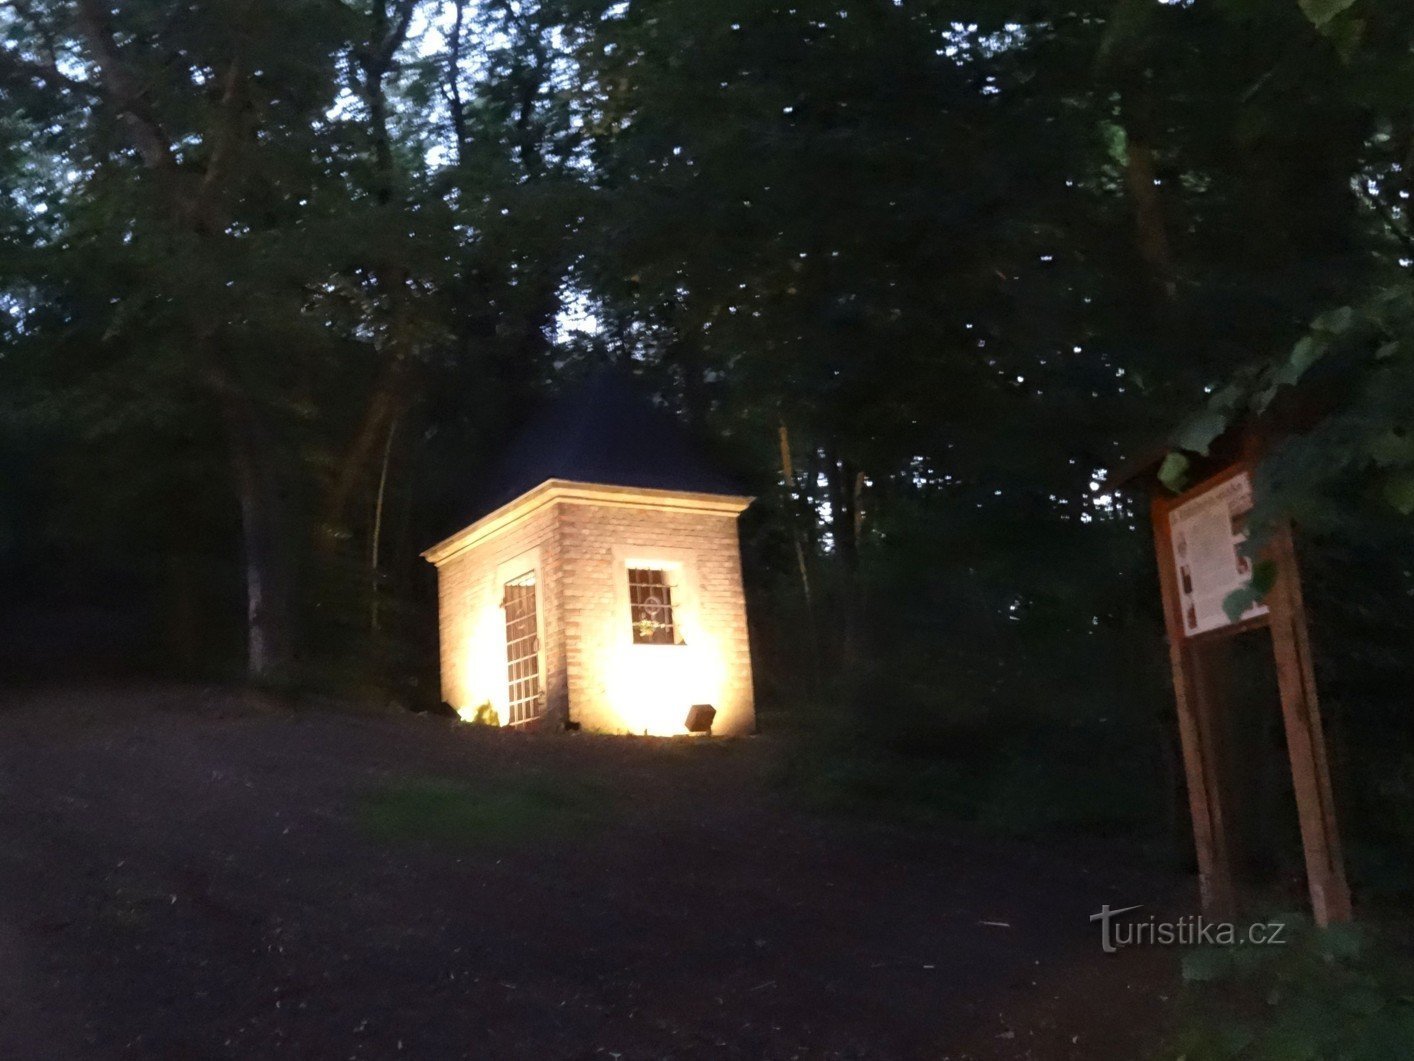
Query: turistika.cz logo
{"x": 1189, "y": 931}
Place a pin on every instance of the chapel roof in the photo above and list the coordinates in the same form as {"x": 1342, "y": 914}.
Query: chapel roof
{"x": 606, "y": 431}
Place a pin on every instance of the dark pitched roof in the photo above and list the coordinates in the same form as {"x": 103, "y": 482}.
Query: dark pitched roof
{"x": 604, "y": 431}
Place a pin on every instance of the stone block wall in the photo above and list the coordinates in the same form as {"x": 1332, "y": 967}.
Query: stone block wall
{"x": 471, "y": 623}
{"x": 617, "y": 686}
{"x": 592, "y": 671}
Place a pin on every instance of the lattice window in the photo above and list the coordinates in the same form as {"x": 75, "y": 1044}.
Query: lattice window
{"x": 650, "y": 602}
{"x": 522, "y": 649}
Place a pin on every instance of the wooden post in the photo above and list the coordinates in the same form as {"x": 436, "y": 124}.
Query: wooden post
{"x": 1198, "y": 679}
{"x": 1193, "y": 693}
{"x": 1305, "y": 742}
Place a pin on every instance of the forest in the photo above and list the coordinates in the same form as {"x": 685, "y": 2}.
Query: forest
{"x": 277, "y": 281}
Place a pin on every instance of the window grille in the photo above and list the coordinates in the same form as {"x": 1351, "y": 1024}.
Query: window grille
{"x": 522, "y": 650}
{"x": 650, "y": 601}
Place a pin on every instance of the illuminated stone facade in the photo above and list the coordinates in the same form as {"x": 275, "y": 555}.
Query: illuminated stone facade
{"x": 577, "y": 544}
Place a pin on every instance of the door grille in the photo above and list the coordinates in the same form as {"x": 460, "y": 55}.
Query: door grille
{"x": 522, "y": 650}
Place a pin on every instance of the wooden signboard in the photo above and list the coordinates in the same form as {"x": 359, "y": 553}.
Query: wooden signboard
{"x": 1199, "y": 537}
{"x": 1207, "y": 534}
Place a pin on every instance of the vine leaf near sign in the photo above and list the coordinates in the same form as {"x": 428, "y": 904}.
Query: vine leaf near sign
{"x": 1241, "y": 601}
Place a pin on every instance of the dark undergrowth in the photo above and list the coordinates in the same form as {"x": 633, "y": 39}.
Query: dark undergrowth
{"x": 1345, "y": 993}
{"x": 1008, "y": 775}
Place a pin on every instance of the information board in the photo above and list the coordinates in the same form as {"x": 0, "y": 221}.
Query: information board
{"x": 1207, "y": 534}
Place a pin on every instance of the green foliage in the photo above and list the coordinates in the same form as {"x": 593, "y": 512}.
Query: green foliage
{"x": 988, "y": 709}
{"x": 1338, "y": 993}
{"x": 1258, "y": 586}
{"x": 1339, "y": 22}
{"x": 230, "y": 298}
{"x": 486, "y": 715}
{"x": 1173, "y": 472}
{"x": 1347, "y": 387}
{"x": 1320, "y": 12}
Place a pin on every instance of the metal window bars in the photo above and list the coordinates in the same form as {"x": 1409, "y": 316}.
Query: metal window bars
{"x": 650, "y": 600}
{"x": 526, "y": 703}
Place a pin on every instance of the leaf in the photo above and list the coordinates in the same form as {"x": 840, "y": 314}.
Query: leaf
{"x": 1116, "y": 142}
{"x": 1334, "y": 321}
{"x": 1236, "y": 603}
{"x": 1399, "y": 492}
{"x": 1173, "y": 473}
{"x": 1199, "y": 432}
{"x": 1345, "y": 34}
{"x": 1304, "y": 354}
{"x": 1226, "y": 400}
{"x": 1322, "y": 11}
{"x": 1264, "y": 398}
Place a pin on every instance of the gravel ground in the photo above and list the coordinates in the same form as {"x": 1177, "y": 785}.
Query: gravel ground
{"x": 184, "y": 873}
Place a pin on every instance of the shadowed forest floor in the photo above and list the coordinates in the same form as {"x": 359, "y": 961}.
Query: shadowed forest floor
{"x": 185, "y": 874}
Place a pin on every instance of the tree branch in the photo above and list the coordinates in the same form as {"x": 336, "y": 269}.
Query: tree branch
{"x": 454, "y": 92}
{"x": 149, "y": 137}
{"x": 399, "y": 33}
{"x": 377, "y": 59}
{"x": 226, "y": 135}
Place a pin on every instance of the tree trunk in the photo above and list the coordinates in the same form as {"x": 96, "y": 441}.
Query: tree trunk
{"x": 788, "y": 473}
{"x": 1152, "y": 234}
{"x": 392, "y": 392}
{"x": 1141, "y": 180}
{"x": 388, "y": 402}
{"x": 377, "y": 534}
{"x": 455, "y": 104}
{"x": 269, "y": 612}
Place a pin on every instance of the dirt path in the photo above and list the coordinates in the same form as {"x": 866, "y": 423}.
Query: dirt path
{"x": 183, "y": 877}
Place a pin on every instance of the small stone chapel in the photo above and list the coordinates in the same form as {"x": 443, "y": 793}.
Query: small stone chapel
{"x": 598, "y": 583}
